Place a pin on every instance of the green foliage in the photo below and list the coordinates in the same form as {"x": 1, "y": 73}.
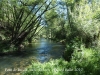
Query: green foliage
{"x": 21, "y": 19}
{"x": 2, "y": 37}
{"x": 55, "y": 24}
{"x": 83, "y": 21}
{"x": 85, "y": 62}
{"x": 88, "y": 60}
{"x": 4, "y": 46}
{"x": 54, "y": 67}
{"x": 67, "y": 55}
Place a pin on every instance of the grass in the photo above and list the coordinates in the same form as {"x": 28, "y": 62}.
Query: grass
{"x": 85, "y": 62}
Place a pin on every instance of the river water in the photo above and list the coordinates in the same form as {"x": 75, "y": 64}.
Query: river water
{"x": 41, "y": 51}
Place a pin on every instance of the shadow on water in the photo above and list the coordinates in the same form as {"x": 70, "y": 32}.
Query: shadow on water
{"x": 42, "y": 51}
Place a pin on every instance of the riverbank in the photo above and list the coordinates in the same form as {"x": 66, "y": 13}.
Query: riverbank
{"x": 82, "y": 63}
{"x": 41, "y": 51}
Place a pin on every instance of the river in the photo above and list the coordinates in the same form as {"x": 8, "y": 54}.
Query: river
{"x": 41, "y": 51}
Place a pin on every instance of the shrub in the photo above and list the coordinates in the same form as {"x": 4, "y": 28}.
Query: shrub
{"x": 85, "y": 62}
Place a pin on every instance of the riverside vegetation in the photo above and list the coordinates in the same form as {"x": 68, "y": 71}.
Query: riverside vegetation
{"x": 74, "y": 23}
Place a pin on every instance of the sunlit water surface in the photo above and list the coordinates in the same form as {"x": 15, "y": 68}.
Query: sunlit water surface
{"x": 41, "y": 51}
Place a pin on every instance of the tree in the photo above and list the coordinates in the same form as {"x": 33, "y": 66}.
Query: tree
{"x": 55, "y": 21}
{"x": 82, "y": 26}
{"x": 22, "y": 18}
{"x": 80, "y": 16}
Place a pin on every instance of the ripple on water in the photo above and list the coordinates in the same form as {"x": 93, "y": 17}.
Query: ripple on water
{"x": 42, "y": 52}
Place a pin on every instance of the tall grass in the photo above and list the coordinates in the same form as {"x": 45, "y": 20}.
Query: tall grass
{"x": 86, "y": 62}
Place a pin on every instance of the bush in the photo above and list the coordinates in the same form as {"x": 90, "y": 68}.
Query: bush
{"x": 85, "y": 62}
{"x": 54, "y": 67}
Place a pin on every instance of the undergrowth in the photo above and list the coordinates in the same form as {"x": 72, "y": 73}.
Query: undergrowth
{"x": 85, "y": 62}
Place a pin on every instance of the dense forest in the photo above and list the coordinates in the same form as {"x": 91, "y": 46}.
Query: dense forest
{"x": 73, "y": 23}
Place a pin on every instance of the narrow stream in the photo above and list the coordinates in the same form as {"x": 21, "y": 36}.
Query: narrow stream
{"x": 41, "y": 51}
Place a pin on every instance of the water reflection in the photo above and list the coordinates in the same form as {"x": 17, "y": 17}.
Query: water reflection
{"x": 48, "y": 49}
{"x": 43, "y": 51}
